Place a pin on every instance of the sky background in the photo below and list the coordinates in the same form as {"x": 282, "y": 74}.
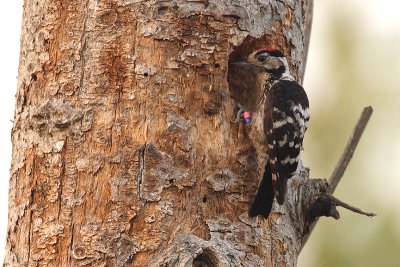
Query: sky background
{"x": 354, "y": 61}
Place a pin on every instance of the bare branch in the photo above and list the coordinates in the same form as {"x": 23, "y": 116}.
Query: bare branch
{"x": 342, "y": 164}
{"x": 340, "y": 203}
{"x": 348, "y": 152}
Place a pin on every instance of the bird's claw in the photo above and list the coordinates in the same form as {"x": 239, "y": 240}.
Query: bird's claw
{"x": 239, "y": 114}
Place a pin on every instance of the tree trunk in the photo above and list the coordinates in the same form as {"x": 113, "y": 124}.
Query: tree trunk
{"x": 124, "y": 150}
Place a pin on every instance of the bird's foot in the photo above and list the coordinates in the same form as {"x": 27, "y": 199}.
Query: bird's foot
{"x": 239, "y": 114}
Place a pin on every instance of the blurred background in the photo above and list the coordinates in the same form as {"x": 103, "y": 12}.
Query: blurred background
{"x": 354, "y": 61}
{"x": 10, "y": 29}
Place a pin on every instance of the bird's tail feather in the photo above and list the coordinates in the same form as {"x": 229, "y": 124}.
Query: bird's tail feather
{"x": 262, "y": 203}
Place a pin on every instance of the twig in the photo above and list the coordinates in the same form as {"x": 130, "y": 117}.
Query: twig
{"x": 340, "y": 203}
{"x": 343, "y": 162}
{"x": 348, "y": 152}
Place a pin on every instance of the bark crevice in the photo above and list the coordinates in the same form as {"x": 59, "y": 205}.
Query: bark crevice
{"x": 140, "y": 168}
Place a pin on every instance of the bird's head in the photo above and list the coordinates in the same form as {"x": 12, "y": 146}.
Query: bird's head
{"x": 249, "y": 79}
{"x": 270, "y": 61}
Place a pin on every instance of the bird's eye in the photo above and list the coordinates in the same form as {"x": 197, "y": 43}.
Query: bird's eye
{"x": 262, "y": 58}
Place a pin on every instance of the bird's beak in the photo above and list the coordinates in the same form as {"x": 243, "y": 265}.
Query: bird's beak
{"x": 240, "y": 64}
{"x": 243, "y": 66}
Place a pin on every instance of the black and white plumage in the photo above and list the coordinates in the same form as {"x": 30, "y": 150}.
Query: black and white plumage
{"x": 280, "y": 117}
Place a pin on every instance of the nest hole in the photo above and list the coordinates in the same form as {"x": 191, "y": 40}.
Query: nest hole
{"x": 205, "y": 259}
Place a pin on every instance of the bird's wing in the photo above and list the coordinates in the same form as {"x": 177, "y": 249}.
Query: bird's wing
{"x": 285, "y": 127}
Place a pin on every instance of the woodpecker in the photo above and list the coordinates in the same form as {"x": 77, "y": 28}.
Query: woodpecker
{"x": 263, "y": 86}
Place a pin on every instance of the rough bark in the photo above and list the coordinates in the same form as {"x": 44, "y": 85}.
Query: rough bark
{"x": 124, "y": 150}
